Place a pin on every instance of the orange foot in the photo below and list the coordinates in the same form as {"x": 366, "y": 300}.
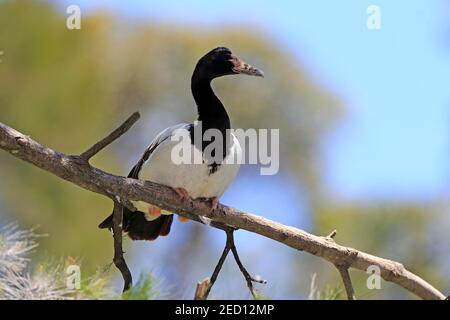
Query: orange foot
{"x": 154, "y": 212}
{"x": 182, "y": 219}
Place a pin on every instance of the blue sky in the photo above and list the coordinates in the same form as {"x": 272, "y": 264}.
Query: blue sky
{"x": 394, "y": 81}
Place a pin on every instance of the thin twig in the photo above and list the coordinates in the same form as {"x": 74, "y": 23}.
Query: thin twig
{"x": 248, "y": 278}
{"x": 220, "y": 263}
{"x": 218, "y": 267}
{"x": 204, "y": 287}
{"x": 96, "y": 148}
{"x": 119, "y": 260}
{"x": 332, "y": 234}
{"x": 347, "y": 282}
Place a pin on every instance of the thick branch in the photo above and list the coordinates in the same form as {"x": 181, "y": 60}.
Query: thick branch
{"x": 77, "y": 170}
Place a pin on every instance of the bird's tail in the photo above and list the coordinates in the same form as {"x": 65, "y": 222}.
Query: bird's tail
{"x": 138, "y": 227}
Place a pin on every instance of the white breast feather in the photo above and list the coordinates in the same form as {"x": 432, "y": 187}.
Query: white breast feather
{"x": 194, "y": 178}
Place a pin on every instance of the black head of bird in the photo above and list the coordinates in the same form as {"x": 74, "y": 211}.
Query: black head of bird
{"x": 221, "y": 62}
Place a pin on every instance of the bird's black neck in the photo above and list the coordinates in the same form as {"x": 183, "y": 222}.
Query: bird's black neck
{"x": 211, "y": 111}
{"x": 211, "y": 115}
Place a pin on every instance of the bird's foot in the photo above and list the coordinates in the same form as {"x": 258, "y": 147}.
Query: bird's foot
{"x": 214, "y": 203}
{"x": 182, "y": 193}
{"x": 153, "y": 212}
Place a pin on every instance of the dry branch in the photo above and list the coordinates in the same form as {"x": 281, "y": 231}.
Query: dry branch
{"x": 202, "y": 290}
{"x": 118, "y": 259}
{"x": 204, "y": 286}
{"x": 99, "y": 146}
{"x": 77, "y": 170}
{"x": 345, "y": 275}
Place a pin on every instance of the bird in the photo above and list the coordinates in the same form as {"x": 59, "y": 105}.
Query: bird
{"x": 206, "y": 180}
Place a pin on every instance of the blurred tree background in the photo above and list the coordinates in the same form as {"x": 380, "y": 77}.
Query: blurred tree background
{"x": 67, "y": 88}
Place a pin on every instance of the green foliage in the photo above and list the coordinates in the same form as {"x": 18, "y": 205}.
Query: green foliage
{"x": 96, "y": 286}
{"x": 21, "y": 279}
{"x": 328, "y": 293}
{"x": 331, "y": 293}
{"x": 16, "y": 279}
{"x": 260, "y": 296}
{"x": 145, "y": 289}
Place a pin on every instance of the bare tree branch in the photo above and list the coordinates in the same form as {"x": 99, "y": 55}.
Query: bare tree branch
{"x": 118, "y": 259}
{"x": 347, "y": 282}
{"x": 204, "y": 287}
{"x": 99, "y": 146}
{"x": 332, "y": 234}
{"x": 210, "y": 282}
{"x": 202, "y": 290}
{"x": 248, "y": 278}
{"x": 77, "y": 170}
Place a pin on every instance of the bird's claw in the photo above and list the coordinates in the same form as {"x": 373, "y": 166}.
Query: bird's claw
{"x": 214, "y": 203}
{"x": 182, "y": 193}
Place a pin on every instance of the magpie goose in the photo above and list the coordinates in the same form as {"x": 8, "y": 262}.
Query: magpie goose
{"x": 207, "y": 180}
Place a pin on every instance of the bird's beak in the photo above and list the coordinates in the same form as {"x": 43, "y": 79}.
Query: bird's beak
{"x": 241, "y": 67}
